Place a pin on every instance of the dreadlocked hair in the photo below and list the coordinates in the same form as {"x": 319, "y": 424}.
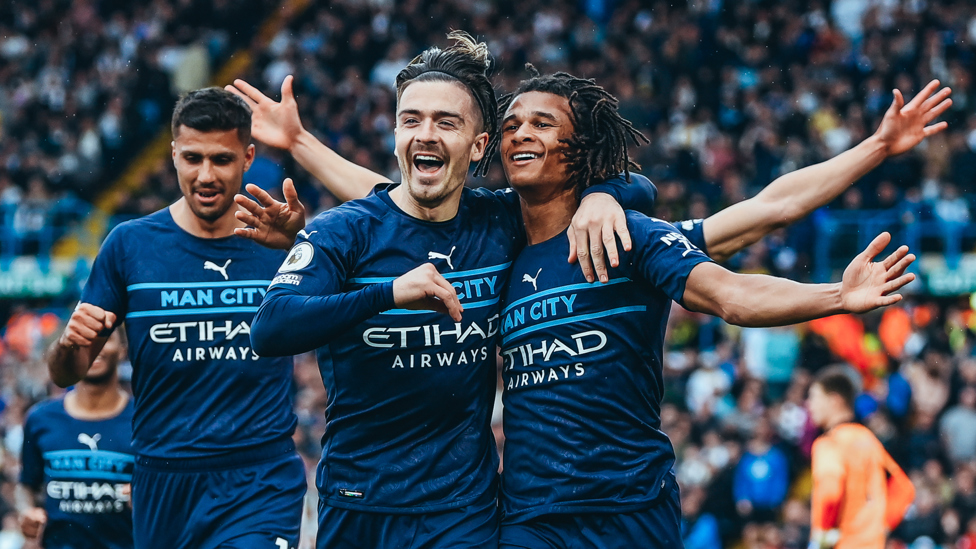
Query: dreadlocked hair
{"x": 597, "y": 150}
{"x": 466, "y": 62}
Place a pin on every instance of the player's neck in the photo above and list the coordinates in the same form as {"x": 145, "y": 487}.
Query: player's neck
{"x": 547, "y": 214}
{"x": 91, "y": 401}
{"x": 219, "y": 228}
{"x": 445, "y": 210}
{"x": 840, "y": 418}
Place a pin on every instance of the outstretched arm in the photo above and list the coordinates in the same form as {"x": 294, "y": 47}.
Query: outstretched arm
{"x": 760, "y": 300}
{"x": 278, "y": 124}
{"x": 796, "y": 194}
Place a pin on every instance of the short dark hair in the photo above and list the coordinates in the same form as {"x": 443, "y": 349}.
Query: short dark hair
{"x": 213, "y": 109}
{"x": 835, "y": 380}
{"x": 597, "y": 150}
{"x": 467, "y": 62}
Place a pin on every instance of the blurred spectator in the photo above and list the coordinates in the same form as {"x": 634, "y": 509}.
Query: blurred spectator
{"x": 707, "y": 385}
{"x": 958, "y": 427}
{"x": 699, "y": 530}
{"x": 761, "y": 478}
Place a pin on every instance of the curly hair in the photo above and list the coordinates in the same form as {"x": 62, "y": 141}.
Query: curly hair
{"x": 466, "y": 62}
{"x": 597, "y": 150}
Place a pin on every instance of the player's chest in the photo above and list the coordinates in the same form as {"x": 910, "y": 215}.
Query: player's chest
{"x": 99, "y": 447}
{"x": 199, "y": 280}
{"x": 475, "y": 264}
{"x": 546, "y": 294}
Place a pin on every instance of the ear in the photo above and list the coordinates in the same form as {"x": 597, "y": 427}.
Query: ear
{"x": 479, "y": 146}
{"x": 172, "y": 146}
{"x": 248, "y": 157}
{"x": 395, "y": 153}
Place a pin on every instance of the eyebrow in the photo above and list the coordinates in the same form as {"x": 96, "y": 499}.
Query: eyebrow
{"x": 436, "y": 114}
{"x": 189, "y": 152}
{"x": 536, "y": 114}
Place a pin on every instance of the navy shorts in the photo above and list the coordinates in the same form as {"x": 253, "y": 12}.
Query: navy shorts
{"x": 472, "y": 526}
{"x": 249, "y": 499}
{"x": 658, "y": 526}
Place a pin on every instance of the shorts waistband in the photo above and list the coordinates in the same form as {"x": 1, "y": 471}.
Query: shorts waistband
{"x": 240, "y": 458}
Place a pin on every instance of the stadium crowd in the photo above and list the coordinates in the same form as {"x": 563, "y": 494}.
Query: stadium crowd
{"x": 731, "y": 94}
{"x": 84, "y": 85}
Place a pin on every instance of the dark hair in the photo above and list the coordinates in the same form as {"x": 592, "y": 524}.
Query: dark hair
{"x": 597, "y": 150}
{"x": 836, "y": 380}
{"x": 467, "y": 63}
{"x": 213, "y": 109}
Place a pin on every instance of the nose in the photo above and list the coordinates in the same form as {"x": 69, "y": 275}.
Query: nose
{"x": 426, "y": 133}
{"x": 522, "y": 134}
{"x": 206, "y": 173}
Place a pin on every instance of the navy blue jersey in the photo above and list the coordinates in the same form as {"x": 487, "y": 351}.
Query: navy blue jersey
{"x": 694, "y": 230}
{"x": 188, "y": 303}
{"x": 83, "y": 468}
{"x": 410, "y": 392}
{"x": 582, "y": 374}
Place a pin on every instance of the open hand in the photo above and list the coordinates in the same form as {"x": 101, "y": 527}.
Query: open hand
{"x": 271, "y": 223}
{"x": 868, "y": 285}
{"x": 905, "y": 126}
{"x": 273, "y": 123}
{"x": 425, "y": 289}
{"x": 591, "y": 235}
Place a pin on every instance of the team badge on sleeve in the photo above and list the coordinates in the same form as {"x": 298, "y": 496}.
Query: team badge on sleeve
{"x": 298, "y": 258}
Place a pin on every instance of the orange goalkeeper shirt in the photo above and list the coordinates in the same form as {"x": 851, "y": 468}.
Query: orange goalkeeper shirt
{"x": 857, "y": 487}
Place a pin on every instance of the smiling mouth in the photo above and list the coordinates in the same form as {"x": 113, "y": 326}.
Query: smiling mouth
{"x": 427, "y": 163}
{"x": 524, "y": 157}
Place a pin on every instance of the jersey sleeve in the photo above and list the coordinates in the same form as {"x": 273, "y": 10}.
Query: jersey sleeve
{"x": 694, "y": 231}
{"x": 32, "y": 460}
{"x": 828, "y": 484}
{"x": 106, "y": 287}
{"x": 663, "y": 256}
{"x": 305, "y": 307}
{"x": 639, "y": 194}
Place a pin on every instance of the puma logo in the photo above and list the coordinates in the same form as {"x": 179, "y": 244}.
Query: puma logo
{"x": 435, "y": 255}
{"x": 302, "y": 233}
{"x": 211, "y": 266}
{"x": 90, "y": 441}
{"x": 527, "y": 278}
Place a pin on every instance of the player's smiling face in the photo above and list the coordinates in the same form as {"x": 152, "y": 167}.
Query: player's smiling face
{"x": 210, "y": 167}
{"x": 534, "y": 130}
{"x": 438, "y": 135}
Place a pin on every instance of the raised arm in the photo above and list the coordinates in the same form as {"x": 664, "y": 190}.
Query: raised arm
{"x": 796, "y": 194}
{"x": 278, "y": 124}
{"x": 760, "y": 300}
{"x": 69, "y": 357}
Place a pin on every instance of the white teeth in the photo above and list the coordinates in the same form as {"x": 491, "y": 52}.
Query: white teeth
{"x": 426, "y": 157}
{"x": 524, "y": 156}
